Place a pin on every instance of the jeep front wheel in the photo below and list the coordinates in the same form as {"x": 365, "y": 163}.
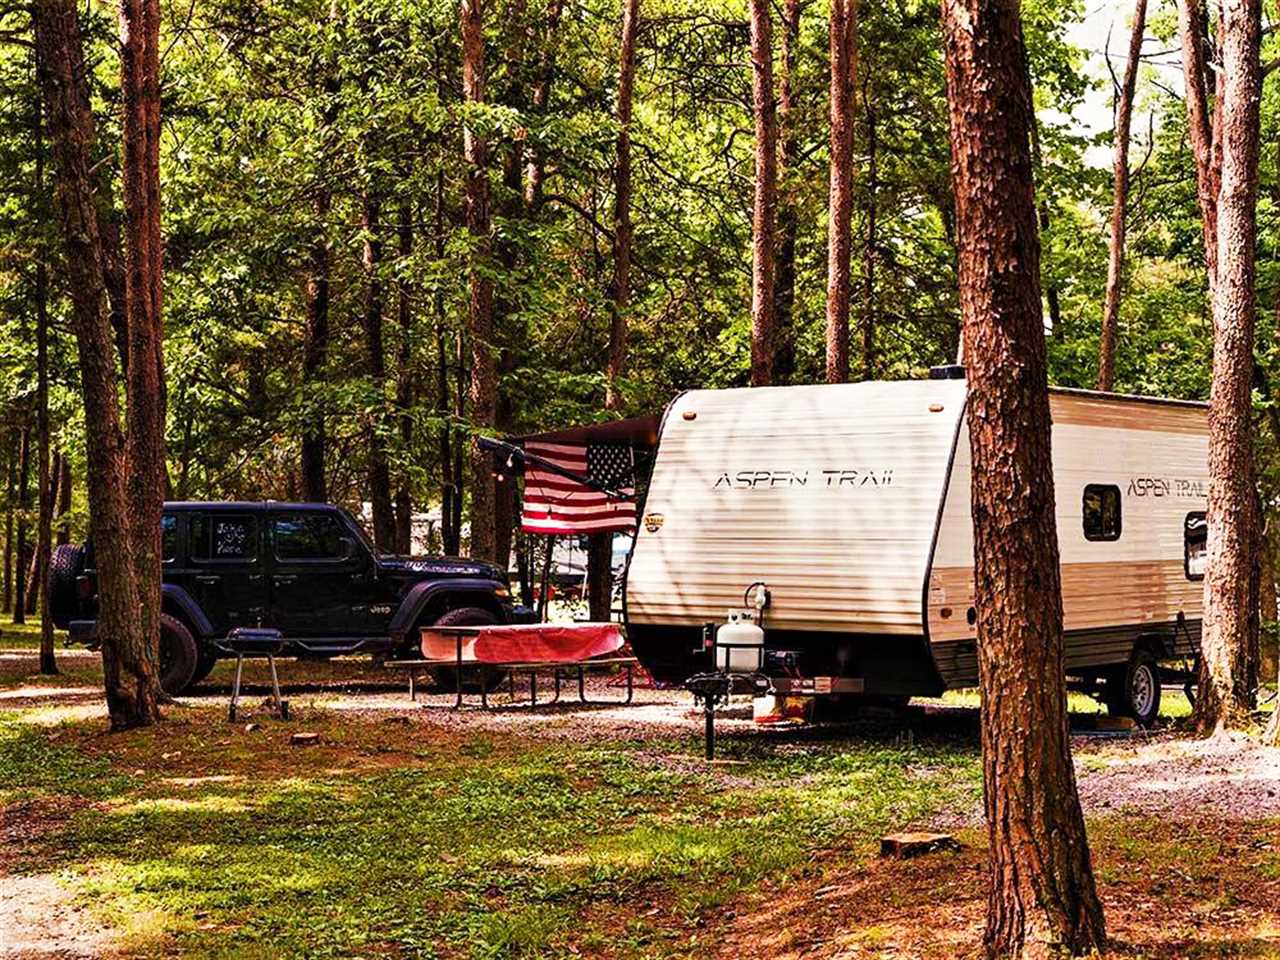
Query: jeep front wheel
{"x": 447, "y": 677}
{"x": 179, "y": 655}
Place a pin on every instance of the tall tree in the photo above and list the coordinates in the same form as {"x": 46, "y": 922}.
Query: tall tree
{"x": 870, "y": 239}
{"x": 1192, "y": 30}
{"x": 1120, "y": 201}
{"x": 600, "y": 545}
{"x": 482, "y": 388}
{"x": 405, "y": 375}
{"x": 843, "y": 39}
{"x": 1042, "y": 899}
{"x": 315, "y": 349}
{"x": 765, "y": 213}
{"x": 21, "y": 552}
{"x": 784, "y": 351}
{"x": 375, "y": 358}
{"x": 1229, "y": 637}
{"x": 620, "y": 285}
{"x": 127, "y": 609}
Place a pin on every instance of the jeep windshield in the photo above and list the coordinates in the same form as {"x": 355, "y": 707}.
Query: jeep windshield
{"x": 358, "y": 528}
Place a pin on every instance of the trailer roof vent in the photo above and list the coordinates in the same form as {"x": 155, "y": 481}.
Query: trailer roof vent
{"x": 947, "y": 371}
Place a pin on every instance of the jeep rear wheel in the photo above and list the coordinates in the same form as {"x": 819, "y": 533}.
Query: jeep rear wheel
{"x": 179, "y": 655}
{"x": 1133, "y": 690}
{"x": 65, "y": 565}
{"x": 446, "y": 678}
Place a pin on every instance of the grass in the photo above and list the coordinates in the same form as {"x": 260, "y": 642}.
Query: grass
{"x": 210, "y": 841}
{"x": 22, "y": 635}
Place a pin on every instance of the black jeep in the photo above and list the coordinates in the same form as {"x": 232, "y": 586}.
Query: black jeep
{"x": 307, "y": 570}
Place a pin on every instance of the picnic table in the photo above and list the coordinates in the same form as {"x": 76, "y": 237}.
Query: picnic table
{"x": 565, "y": 651}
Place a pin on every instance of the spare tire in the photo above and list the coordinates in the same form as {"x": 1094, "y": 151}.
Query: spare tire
{"x": 179, "y": 655}
{"x": 65, "y": 565}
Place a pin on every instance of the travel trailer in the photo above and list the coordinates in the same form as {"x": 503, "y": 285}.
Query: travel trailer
{"x": 851, "y": 504}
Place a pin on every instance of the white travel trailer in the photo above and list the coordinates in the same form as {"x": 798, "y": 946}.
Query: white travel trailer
{"x": 851, "y": 502}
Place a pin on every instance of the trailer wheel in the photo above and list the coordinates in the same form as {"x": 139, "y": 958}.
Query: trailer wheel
{"x": 1133, "y": 690}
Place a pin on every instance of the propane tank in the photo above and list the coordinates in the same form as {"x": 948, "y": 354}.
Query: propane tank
{"x": 740, "y": 644}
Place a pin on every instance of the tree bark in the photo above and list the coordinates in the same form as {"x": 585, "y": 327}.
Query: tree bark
{"x": 64, "y": 502}
{"x": 315, "y": 352}
{"x": 620, "y": 285}
{"x": 784, "y": 353}
{"x": 1195, "y": 70}
{"x": 44, "y": 530}
{"x": 869, "y": 249}
{"x": 146, "y": 475}
{"x": 1229, "y": 638}
{"x": 1119, "y": 203}
{"x": 482, "y": 389}
{"x": 22, "y": 551}
{"x": 11, "y": 488}
{"x": 384, "y": 521}
{"x": 1041, "y": 895}
{"x": 129, "y": 648}
{"x": 535, "y": 169}
{"x": 600, "y": 545}
{"x": 765, "y": 212}
{"x": 844, "y": 56}
{"x": 404, "y": 378}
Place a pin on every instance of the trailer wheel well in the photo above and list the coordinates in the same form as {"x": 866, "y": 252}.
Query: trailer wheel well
{"x": 1154, "y": 644}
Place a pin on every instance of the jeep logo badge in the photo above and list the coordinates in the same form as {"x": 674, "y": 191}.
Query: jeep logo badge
{"x": 653, "y": 521}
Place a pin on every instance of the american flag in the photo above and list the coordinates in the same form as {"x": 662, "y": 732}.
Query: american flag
{"x": 554, "y": 504}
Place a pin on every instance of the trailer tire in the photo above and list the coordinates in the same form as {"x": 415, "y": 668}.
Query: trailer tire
{"x": 178, "y": 655}
{"x": 446, "y": 678}
{"x": 1133, "y": 690}
{"x": 65, "y": 565}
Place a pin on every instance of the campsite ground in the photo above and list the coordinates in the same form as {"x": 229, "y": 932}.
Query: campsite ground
{"x": 411, "y": 830}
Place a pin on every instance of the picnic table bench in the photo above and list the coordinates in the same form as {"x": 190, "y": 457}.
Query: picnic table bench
{"x": 565, "y": 651}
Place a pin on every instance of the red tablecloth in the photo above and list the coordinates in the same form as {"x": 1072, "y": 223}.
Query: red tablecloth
{"x": 523, "y": 643}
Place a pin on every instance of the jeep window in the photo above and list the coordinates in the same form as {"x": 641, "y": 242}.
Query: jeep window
{"x": 1195, "y": 540}
{"x": 215, "y": 537}
{"x": 308, "y": 536}
{"x": 169, "y": 538}
{"x": 361, "y": 534}
{"x": 1101, "y": 512}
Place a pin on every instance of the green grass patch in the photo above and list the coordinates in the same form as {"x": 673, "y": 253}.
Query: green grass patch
{"x": 35, "y": 763}
{"x": 486, "y": 848}
{"x": 21, "y": 635}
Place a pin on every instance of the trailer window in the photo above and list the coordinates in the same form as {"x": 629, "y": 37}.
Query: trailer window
{"x": 1195, "y": 540}
{"x": 1101, "y": 512}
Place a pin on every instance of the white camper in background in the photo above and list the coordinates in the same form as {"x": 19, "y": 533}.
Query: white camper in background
{"x": 851, "y": 502}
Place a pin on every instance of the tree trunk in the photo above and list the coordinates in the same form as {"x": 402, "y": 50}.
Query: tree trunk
{"x": 384, "y": 520}
{"x": 869, "y": 248}
{"x": 315, "y": 351}
{"x": 1229, "y": 639}
{"x": 844, "y": 66}
{"x": 44, "y": 533}
{"x": 129, "y": 648}
{"x": 1196, "y": 75}
{"x": 404, "y": 378}
{"x": 146, "y": 473}
{"x": 620, "y": 285}
{"x": 784, "y": 352}
{"x": 11, "y": 488}
{"x": 765, "y": 212}
{"x": 535, "y": 170}
{"x": 1119, "y": 203}
{"x": 482, "y": 389}
{"x": 22, "y": 551}
{"x": 1041, "y": 895}
{"x": 64, "y": 502}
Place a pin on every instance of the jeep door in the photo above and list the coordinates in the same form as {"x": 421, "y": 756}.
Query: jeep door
{"x": 319, "y": 577}
{"x": 226, "y": 568}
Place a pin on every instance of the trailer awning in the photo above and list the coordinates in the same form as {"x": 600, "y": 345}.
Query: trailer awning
{"x": 639, "y": 433}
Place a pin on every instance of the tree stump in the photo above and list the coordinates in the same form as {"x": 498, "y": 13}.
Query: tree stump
{"x": 900, "y": 846}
